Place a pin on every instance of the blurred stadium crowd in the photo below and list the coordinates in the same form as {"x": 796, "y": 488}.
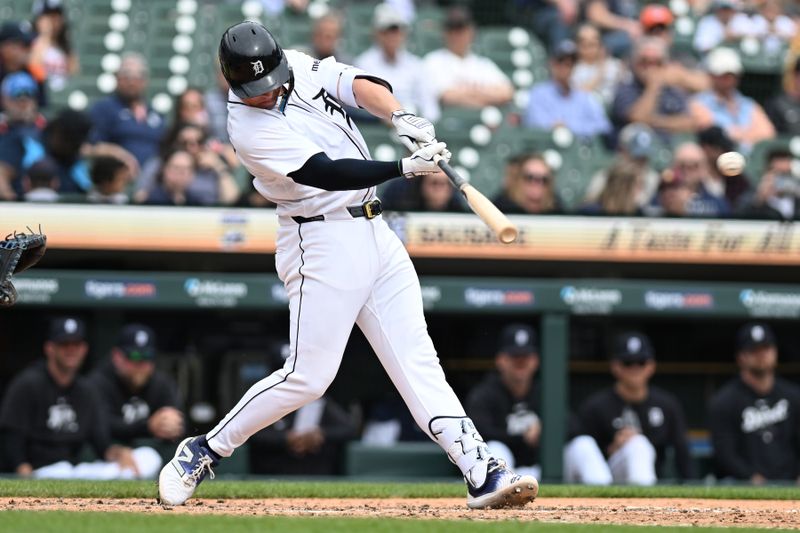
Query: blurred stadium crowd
{"x": 601, "y": 107}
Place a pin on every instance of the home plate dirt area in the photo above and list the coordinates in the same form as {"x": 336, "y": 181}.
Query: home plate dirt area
{"x": 639, "y": 511}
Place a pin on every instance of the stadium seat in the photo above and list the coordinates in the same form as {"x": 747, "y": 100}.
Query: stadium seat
{"x": 401, "y": 460}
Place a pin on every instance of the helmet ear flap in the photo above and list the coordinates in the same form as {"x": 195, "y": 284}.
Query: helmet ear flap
{"x": 288, "y": 92}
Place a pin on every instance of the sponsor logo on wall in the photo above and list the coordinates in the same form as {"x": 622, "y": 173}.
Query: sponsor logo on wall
{"x": 119, "y": 290}
{"x": 36, "y": 290}
{"x": 663, "y": 300}
{"x": 431, "y": 294}
{"x": 480, "y": 297}
{"x": 215, "y": 293}
{"x": 769, "y": 303}
{"x": 590, "y": 300}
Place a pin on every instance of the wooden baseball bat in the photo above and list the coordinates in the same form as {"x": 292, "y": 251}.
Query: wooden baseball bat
{"x": 483, "y": 207}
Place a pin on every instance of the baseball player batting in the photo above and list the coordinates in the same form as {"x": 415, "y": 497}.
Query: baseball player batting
{"x": 339, "y": 261}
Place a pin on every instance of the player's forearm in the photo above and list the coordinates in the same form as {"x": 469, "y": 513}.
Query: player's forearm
{"x": 375, "y": 98}
{"x": 344, "y": 174}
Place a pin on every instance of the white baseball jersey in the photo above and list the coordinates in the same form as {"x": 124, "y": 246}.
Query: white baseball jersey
{"x": 271, "y": 144}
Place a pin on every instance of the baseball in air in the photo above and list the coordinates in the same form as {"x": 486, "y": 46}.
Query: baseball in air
{"x": 730, "y": 164}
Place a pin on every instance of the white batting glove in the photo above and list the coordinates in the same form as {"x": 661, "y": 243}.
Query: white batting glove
{"x": 425, "y": 160}
{"x": 414, "y": 131}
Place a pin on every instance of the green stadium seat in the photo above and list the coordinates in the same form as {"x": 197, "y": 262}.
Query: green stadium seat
{"x": 757, "y": 159}
{"x": 402, "y": 460}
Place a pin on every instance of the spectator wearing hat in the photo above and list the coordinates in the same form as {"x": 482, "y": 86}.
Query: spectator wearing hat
{"x": 783, "y": 109}
{"x": 556, "y": 103}
{"x": 715, "y": 142}
{"x": 15, "y": 55}
{"x": 777, "y": 196}
{"x": 506, "y": 403}
{"x": 651, "y": 95}
{"x": 618, "y": 20}
{"x": 528, "y": 187}
{"x": 140, "y": 401}
{"x": 124, "y": 118}
{"x": 754, "y": 418}
{"x": 637, "y": 145}
{"x": 723, "y": 25}
{"x": 21, "y": 127}
{"x": 308, "y": 441}
{"x": 41, "y": 182}
{"x": 50, "y": 412}
{"x": 658, "y": 22}
{"x": 459, "y": 77}
{"x": 595, "y": 70}
{"x": 625, "y": 430}
{"x": 51, "y": 51}
{"x": 388, "y": 59}
{"x": 742, "y": 118}
{"x": 673, "y": 197}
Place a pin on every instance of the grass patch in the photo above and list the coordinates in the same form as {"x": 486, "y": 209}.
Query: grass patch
{"x": 364, "y": 489}
{"x": 66, "y": 522}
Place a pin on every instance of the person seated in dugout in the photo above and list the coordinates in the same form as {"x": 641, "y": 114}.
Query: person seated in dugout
{"x": 140, "y": 401}
{"x": 623, "y": 432}
{"x": 50, "y": 412}
{"x": 505, "y": 404}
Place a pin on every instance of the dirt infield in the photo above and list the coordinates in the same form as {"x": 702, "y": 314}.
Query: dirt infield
{"x": 664, "y": 511}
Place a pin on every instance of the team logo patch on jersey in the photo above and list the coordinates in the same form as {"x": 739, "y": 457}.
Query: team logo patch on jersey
{"x": 62, "y": 417}
{"x": 258, "y": 67}
{"x": 333, "y": 106}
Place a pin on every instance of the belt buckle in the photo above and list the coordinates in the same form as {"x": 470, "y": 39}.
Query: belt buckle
{"x": 372, "y": 208}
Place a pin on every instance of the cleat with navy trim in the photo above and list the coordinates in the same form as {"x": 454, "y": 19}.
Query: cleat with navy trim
{"x": 192, "y": 463}
{"x": 502, "y": 488}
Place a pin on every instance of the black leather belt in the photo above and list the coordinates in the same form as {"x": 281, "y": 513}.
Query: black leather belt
{"x": 369, "y": 209}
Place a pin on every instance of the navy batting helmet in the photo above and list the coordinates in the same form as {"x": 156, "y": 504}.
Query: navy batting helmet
{"x": 253, "y": 62}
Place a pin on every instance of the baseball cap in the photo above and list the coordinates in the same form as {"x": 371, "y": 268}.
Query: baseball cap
{"x": 457, "y": 18}
{"x": 638, "y": 140}
{"x": 47, "y": 6}
{"x": 386, "y": 16}
{"x": 632, "y": 346}
{"x": 565, "y": 48}
{"x": 138, "y": 342}
{"x": 656, "y": 15}
{"x": 16, "y": 31}
{"x": 67, "y": 329}
{"x": 19, "y": 84}
{"x": 753, "y": 335}
{"x": 518, "y": 340}
{"x": 716, "y": 137}
{"x": 723, "y": 61}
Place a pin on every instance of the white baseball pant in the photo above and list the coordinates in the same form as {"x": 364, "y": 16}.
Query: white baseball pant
{"x": 338, "y": 273}
{"x": 632, "y": 464}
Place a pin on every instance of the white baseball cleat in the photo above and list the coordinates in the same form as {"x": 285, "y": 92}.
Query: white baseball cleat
{"x": 187, "y": 469}
{"x": 502, "y": 488}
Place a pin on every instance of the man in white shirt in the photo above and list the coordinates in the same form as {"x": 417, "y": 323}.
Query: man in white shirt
{"x": 459, "y": 77}
{"x": 389, "y": 59}
{"x": 723, "y": 25}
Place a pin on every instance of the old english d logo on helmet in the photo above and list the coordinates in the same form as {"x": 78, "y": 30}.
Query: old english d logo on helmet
{"x": 253, "y": 62}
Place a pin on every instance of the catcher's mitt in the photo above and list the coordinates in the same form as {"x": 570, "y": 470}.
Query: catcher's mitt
{"x": 18, "y": 252}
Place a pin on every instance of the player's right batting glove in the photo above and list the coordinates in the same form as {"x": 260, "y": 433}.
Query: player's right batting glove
{"x": 414, "y": 131}
{"x": 425, "y": 160}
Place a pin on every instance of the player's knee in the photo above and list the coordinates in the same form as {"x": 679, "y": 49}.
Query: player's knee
{"x": 639, "y": 446}
{"x": 584, "y": 462}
